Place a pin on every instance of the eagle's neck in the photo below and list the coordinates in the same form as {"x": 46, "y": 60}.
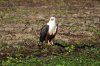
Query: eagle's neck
{"x": 52, "y": 27}
{"x": 51, "y": 23}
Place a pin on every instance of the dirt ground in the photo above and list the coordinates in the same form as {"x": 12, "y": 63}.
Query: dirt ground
{"x": 78, "y": 20}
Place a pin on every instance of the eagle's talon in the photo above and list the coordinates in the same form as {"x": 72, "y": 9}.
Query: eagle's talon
{"x": 49, "y": 43}
{"x": 52, "y": 43}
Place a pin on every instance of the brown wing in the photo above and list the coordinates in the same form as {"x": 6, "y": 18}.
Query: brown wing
{"x": 44, "y": 32}
{"x": 56, "y": 29}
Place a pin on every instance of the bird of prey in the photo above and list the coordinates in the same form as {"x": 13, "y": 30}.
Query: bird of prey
{"x": 49, "y": 31}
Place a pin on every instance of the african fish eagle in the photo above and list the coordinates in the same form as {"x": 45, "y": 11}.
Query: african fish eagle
{"x": 49, "y": 31}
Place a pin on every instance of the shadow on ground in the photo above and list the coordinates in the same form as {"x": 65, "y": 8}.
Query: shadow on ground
{"x": 29, "y": 47}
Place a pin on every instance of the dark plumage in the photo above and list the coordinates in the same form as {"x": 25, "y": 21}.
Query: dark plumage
{"x": 48, "y": 31}
{"x": 44, "y": 33}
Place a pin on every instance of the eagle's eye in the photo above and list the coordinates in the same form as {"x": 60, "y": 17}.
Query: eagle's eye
{"x": 52, "y": 19}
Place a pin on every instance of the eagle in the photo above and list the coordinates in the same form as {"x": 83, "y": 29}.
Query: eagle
{"x": 49, "y": 31}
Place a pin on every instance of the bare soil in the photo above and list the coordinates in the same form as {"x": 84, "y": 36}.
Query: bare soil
{"x": 78, "y": 20}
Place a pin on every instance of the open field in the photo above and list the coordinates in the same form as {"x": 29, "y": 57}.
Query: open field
{"x": 77, "y": 42}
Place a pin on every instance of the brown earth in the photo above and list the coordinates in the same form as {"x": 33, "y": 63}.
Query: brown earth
{"x": 21, "y": 21}
{"x": 79, "y": 20}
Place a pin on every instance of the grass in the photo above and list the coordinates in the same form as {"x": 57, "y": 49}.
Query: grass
{"x": 52, "y": 60}
{"x": 97, "y": 32}
{"x": 27, "y": 54}
{"x": 77, "y": 39}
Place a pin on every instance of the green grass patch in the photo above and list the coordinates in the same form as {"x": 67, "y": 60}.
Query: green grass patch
{"x": 51, "y": 61}
{"x": 97, "y": 32}
{"x": 88, "y": 57}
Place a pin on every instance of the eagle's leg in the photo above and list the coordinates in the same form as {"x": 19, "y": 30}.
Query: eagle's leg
{"x": 49, "y": 43}
{"x": 52, "y": 42}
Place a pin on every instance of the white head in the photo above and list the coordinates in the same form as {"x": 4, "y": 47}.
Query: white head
{"x": 52, "y": 18}
{"x": 51, "y": 21}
